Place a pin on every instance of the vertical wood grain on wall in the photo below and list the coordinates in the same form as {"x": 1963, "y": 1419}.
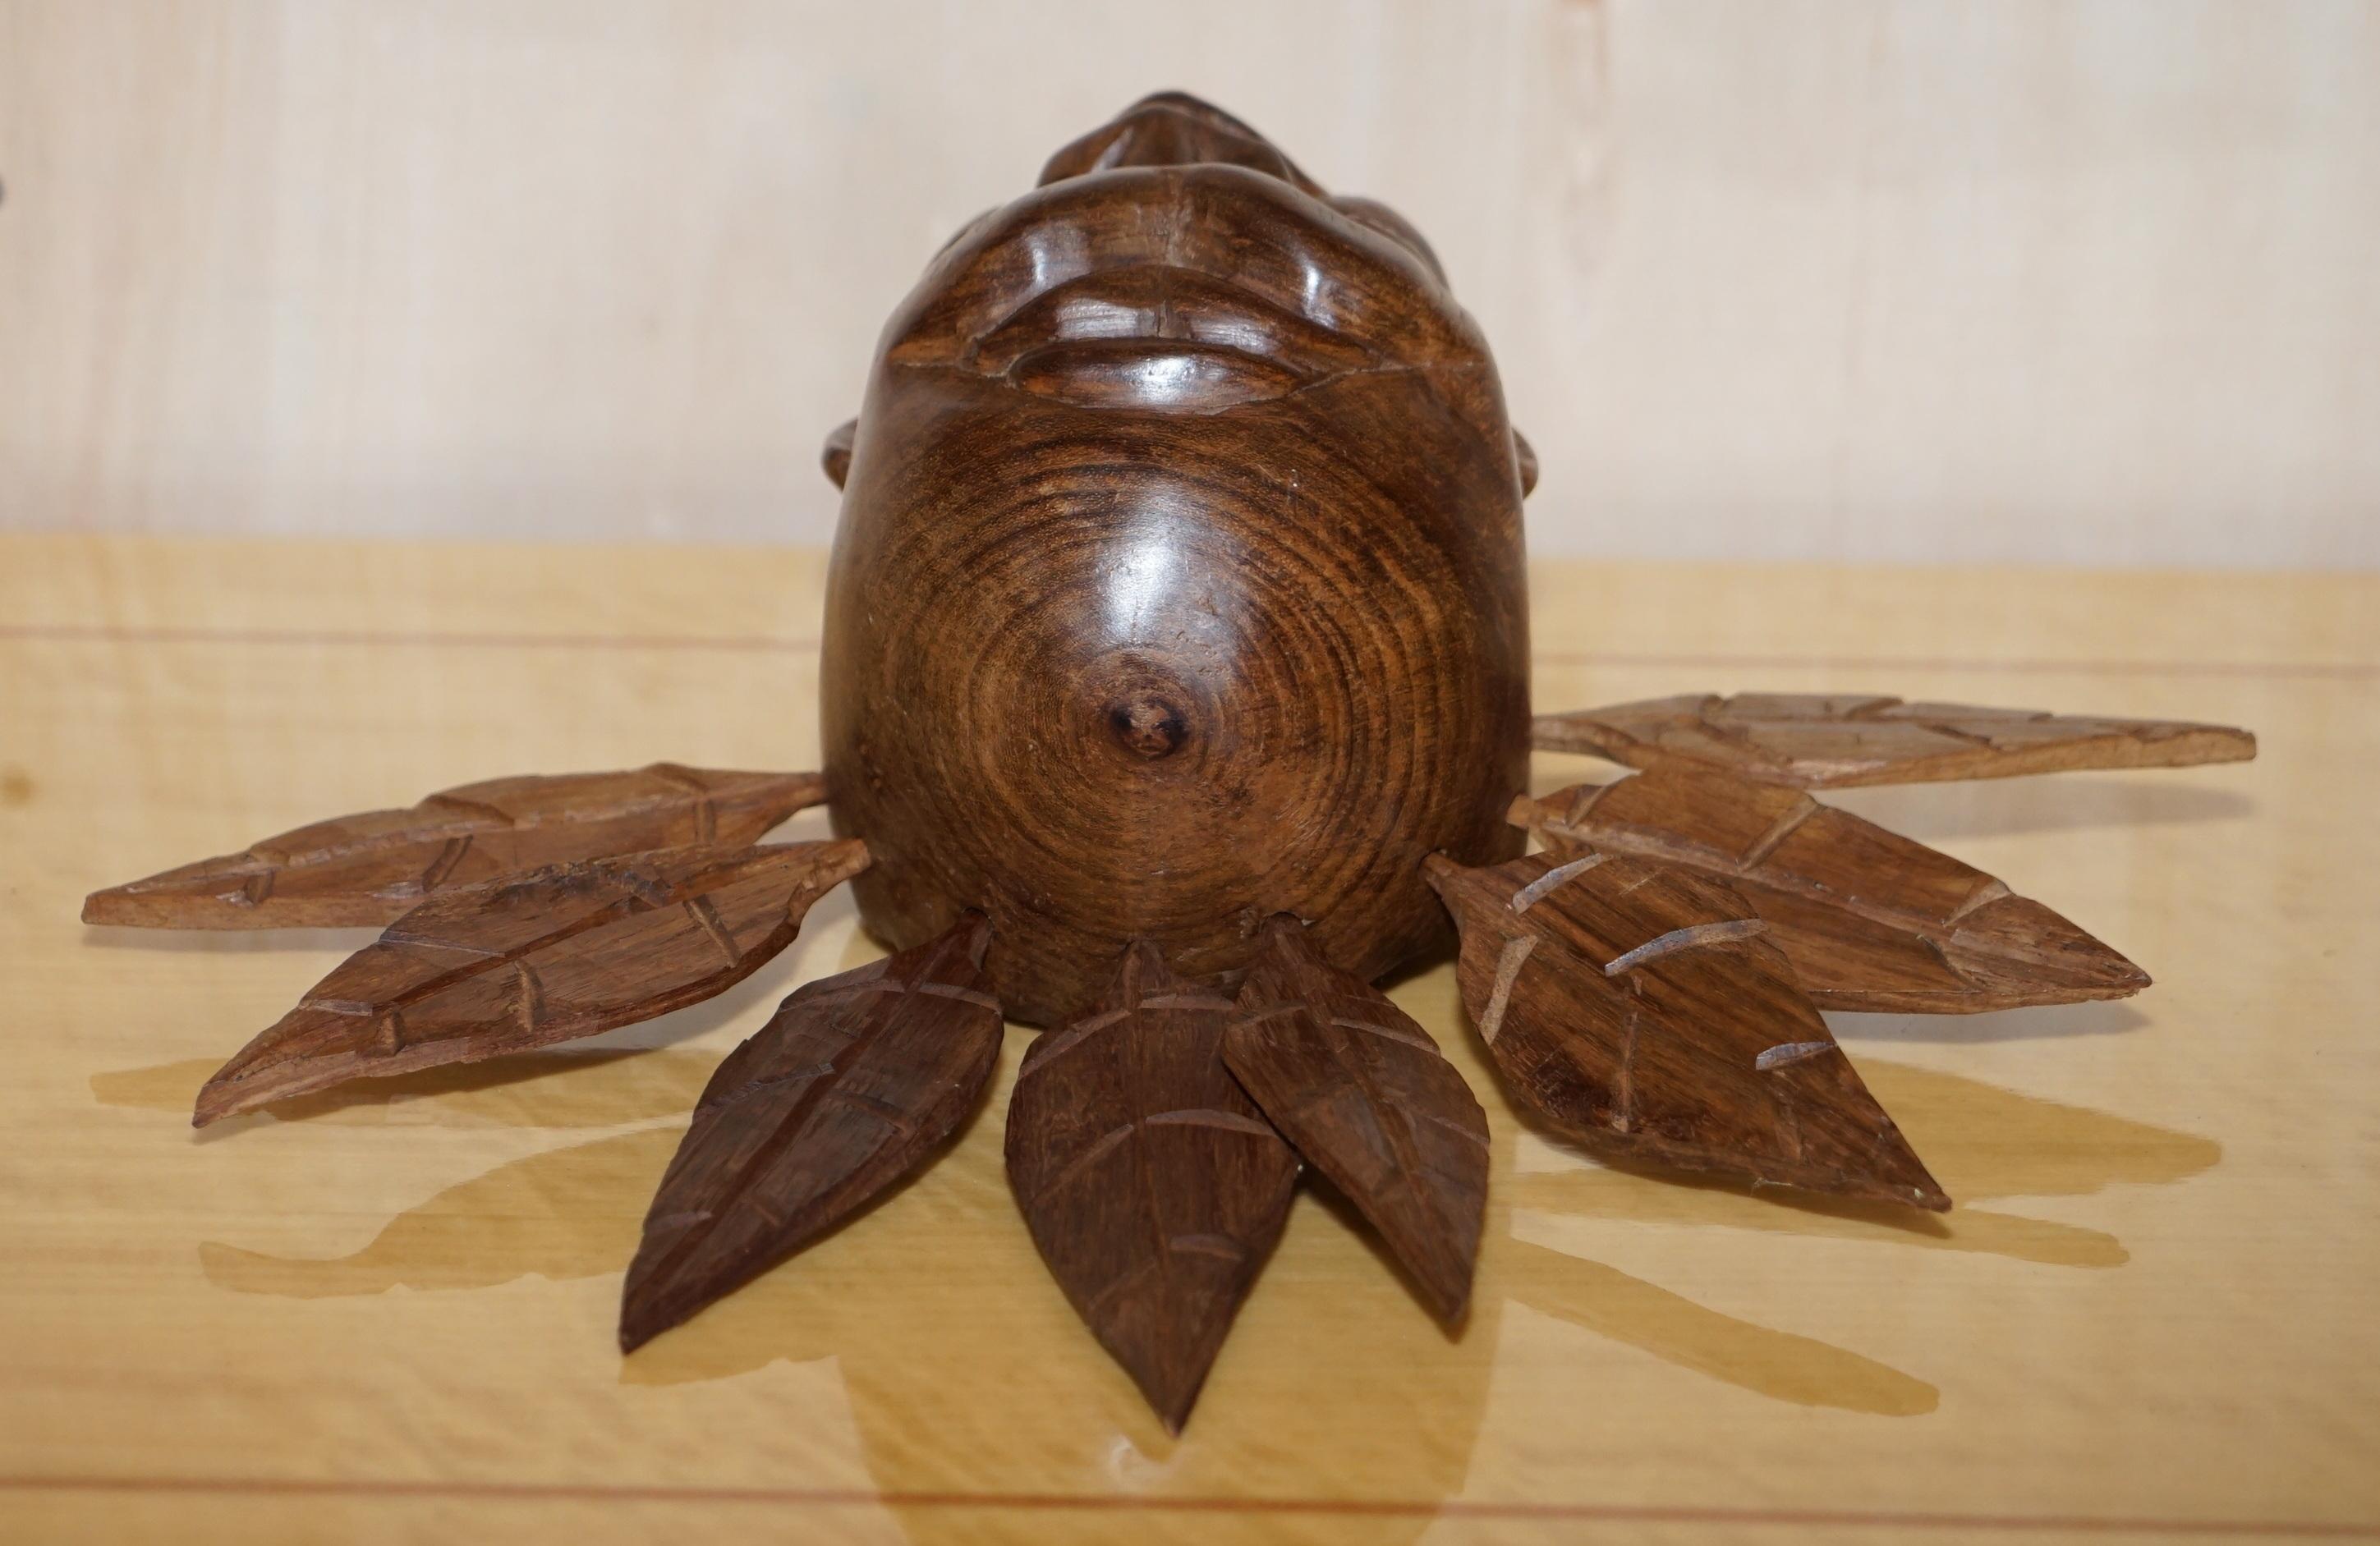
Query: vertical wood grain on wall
{"x": 2094, "y": 281}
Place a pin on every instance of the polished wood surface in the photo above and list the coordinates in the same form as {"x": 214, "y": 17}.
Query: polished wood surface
{"x": 1186, "y": 389}
{"x": 1179, "y": 579}
{"x": 1189, "y": 390}
{"x": 1153, "y": 1186}
{"x": 2148, "y": 1307}
{"x": 1830, "y": 741}
{"x": 1871, "y": 920}
{"x": 855, "y": 1081}
{"x": 1365, "y": 1097}
{"x": 1641, "y": 1010}
{"x": 530, "y": 959}
{"x": 373, "y": 867}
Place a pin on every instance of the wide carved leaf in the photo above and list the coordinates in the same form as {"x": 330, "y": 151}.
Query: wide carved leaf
{"x": 1821, "y": 740}
{"x": 855, "y": 1081}
{"x": 1152, "y": 1185}
{"x": 529, "y": 960}
{"x": 1870, "y": 920}
{"x": 375, "y": 867}
{"x": 1365, "y": 1097}
{"x": 1639, "y": 1009}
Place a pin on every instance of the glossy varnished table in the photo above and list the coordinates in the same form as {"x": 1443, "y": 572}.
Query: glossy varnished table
{"x": 389, "y": 1316}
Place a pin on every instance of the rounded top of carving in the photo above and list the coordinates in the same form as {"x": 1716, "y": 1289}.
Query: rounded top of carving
{"x": 1174, "y": 128}
{"x": 1172, "y": 260}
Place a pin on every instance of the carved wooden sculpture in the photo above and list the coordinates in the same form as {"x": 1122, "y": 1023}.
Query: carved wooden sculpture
{"x": 376, "y": 867}
{"x": 527, "y": 959}
{"x": 1869, "y": 918}
{"x": 1834, "y": 741}
{"x": 1233, "y": 623}
{"x": 1152, "y": 1184}
{"x": 851, "y": 1086}
{"x": 1176, "y": 650}
{"x": 1366, "y": 1096}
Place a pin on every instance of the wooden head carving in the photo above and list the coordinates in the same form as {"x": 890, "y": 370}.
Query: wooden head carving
{"x": 1179, "y": 579}
{"x": 1176, "y": 645}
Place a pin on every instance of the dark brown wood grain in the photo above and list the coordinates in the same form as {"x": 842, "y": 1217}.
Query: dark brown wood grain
{"x": 1365, "y": 1097}
{"x": 1176, "y": 640}
{"x": 1823, "y": 741}
{"x": 374, "y": 868}
{"x": 1870, "y": 920}
{"x": 855, "y": 1081}
{"x": 526, "y": 961}
{"x": 1153, "y": 1186}
{"x": 1179, "y": 579}
{"x": 1638, "y": 1008}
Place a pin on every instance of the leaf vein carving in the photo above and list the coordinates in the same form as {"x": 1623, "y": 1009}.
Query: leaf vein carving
{"x": 1779, "y": 831}
{"x": 1560, "y": 875}
{"x": 1693, "y": 936}
{"x": 1206, "y": 1116}
{"x": 1082, "y": 1163}
{"x": 1388, "y": 1032}
{"x": 1508, "y": 969}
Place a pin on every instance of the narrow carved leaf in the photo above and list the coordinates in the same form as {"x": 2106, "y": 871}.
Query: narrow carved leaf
{"x": 1870, "y": 920}
{"x": 1639, "y": 1008}
{"x": 1365, "y": 1097}
{"x": 529, "y": 960}
{"x": 855, "y": 1082}
{"x": 1152, "y": 1185}
{"x": 374, "y": 868}
{"x": 1818, "y": 741}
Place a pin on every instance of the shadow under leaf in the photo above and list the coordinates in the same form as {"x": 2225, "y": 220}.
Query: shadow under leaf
{"x": 1776, "y": 1364}
{"x": 2041, "y": 1022}
{"x": 940, "y": 1292}
{"x": 575, "y": 1088}
{"x": 1979, "y": 1140}
{"x": 2010, "y": 807}
{"x": 568, "y": 1212}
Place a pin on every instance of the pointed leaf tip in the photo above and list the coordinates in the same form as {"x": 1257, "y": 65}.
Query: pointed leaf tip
{"x": 855, "y": 1081}
{"x": 531, "y": 959}
{"x": 1870, "y": 920}
{"x": 1152, "y": 1186}
{"x": 1819, "y": 740}
{"x": 1625, "y": 1003}
{"x": 1363, "y": 1095}
{"x": 371, "y": 868}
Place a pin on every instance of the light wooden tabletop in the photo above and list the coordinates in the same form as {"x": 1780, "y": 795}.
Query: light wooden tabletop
{"x": 390, "y": 1316}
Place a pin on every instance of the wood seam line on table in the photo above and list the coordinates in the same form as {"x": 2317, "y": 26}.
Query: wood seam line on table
{"x": 1453, "y": 1507}
{"x": 69, "y": 633}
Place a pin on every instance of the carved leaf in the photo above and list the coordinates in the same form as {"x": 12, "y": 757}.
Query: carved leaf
{"x": 855, "y": 1082}
{"x": 1818, "y": 741}
{"x": 529, "y": 960}
{"x": 373, "y": 868}
{"x": 1152, "y": 1185}
{"x": 1363, "y": 1095}
{"x": 1639, "y": 1008}
{"x": 1870, "y": 920}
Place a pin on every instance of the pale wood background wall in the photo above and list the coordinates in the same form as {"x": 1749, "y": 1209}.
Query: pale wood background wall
{"x": 1959, "y": 279}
